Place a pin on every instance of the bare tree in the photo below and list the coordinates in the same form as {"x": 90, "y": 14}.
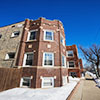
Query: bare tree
{"x": 92, "y": 55}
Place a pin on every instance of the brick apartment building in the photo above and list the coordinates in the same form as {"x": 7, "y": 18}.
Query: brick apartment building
{"x": 75, "y": 66}
{"x": 38, "y": 48}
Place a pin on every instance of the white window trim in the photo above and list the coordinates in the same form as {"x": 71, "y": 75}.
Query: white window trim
{"x": 47, "y": 86}
{"x": 52, "y": 35}
{"x": 74, "y": 64}
{"x": 67, "y": 53}
{"x": 44, "y": 59}
{"x": 29, "y": 33}
{"x": 63, "y": 40}
{"x": 21, "y": 82}
{"x": 24, "y": 60}
{"x": 64, "y": 60}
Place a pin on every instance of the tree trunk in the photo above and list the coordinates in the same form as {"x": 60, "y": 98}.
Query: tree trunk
{"x": 98, "y": 70}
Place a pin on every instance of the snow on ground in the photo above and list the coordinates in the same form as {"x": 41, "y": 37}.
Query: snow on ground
{"x": 95, "y": 79}
{"x": 59, "y": 93}
{"x": 91, "y": 74}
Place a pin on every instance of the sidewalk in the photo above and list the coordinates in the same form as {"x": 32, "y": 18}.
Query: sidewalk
{"x": 86, "y": 90}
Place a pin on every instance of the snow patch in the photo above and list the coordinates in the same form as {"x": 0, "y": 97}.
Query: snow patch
{"x": 58, "y": 93}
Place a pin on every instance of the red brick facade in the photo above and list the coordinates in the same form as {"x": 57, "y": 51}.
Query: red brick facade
{"x": 38, "y": 47}
{"x": 78, "y": 68}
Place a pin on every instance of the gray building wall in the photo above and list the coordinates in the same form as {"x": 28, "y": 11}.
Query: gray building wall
{"x": 9, "y": 44}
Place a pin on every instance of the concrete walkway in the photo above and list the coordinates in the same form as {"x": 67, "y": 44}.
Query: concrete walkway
{"x": 86, "y": 90}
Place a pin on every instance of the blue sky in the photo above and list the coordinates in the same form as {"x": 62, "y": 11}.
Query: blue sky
{"x": 81, "y": 18}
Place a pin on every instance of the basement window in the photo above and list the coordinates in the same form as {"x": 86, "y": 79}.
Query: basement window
{"x": 10, "y": 55}
{"x": 15, "y": 34}
{"x": 28, "y": 59}
{"x": 47, "y": 82}
{"x": 71, "y": 64}
{"x": 25, "y": 82}
{"x": 73, "y": 74}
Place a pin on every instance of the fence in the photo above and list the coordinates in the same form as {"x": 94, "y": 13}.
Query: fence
{"x": 9, "y": 78}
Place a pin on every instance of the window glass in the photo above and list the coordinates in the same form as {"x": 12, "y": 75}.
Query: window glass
{"x": 14, "y": 34}
{"x": 48, "y": 35}
{"x": 26, "y": 81}
{"x": 10, "y": 55}
{"x": 29, "y": 59}
{"x": 62, "y": 40}
{"x": 63, "y": 61}
{"x": 71, "y": 64}
{"x": 48, "y": 59}
{"x": 32, "y": 35}
{"x": 73, "y": 74}
{"x": 47, "y": 82}
{"x": 70, "y": 53}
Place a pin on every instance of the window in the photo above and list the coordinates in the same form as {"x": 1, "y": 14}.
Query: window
{"x": 62, "y": 40}
{"x": 10, "y": 55}
{"x": 15, "y": 34}
{"x": 28, "y": 59}
{"x": 48, "y": 59}
{"x": 31, "y": 35}
{"x": 13, "y": 26}
{"x": 79, "y": 65}
{"x": 63, "y": 61}
{"x": 70, "y": 53}
{"x": 73, "y": 74}
{"x": 71, "y": 64}
{"x": 0, "y": 35}
{"x": 47, "y": 82}
{"x": 19, "y": 25}
{"x": 48, "y": 35}
{"x": 25, "y": 82}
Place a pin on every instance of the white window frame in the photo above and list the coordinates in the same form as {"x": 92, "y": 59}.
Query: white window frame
{"x": 52, "y": 78}
{"x": 61, "y": 36}
{"x": 45, "y": 35}
{"x": 29, "y": 33}
{"x": 52, "y": 59}
{"x": 24, "y": 60}
{"x": 64, "y": 61}
{"x": 69, "y": 51}
{"x": 13, "y": 34}
{"x": 21, "y": 82}
{"x": 74, "y": 64}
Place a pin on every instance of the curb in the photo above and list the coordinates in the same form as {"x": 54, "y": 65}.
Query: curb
{"x": 73, "y": 91}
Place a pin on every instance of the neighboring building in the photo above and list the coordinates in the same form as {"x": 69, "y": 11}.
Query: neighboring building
{"x": 38, "y": 48}
{"x": 75, "y": 66}
{"x": 10, "y": 37}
